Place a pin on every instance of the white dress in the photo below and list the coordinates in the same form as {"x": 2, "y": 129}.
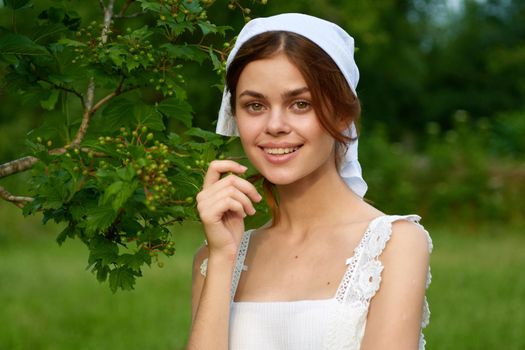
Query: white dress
{"x": 331, "y": 324}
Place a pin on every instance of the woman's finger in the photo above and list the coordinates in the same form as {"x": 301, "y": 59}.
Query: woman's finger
{"x": 240, "y": 184}
{"x": 212, "y": 211}
{"x": 219, "y": 167}
{"x": 237, "y": 195}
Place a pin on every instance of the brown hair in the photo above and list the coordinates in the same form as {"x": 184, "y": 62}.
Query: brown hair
{"x": 333, "y": 101}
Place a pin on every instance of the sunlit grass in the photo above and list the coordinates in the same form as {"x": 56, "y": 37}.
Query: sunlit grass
{"x": 49, "y": 300}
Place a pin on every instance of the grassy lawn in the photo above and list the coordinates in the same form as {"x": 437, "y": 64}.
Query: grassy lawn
{"x": 49, "y": 301}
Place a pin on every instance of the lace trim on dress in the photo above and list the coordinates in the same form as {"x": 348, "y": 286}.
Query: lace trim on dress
{"x": 246, "y": 237}
{"x": 361, "y": 282}
{"x": 239, "y": 265}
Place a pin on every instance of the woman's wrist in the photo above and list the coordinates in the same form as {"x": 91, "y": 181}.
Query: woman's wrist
{"x": 221, "y": 258}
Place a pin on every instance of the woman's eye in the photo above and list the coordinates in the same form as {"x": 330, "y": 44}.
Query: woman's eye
{"x": 256, "y": 107}
{"x": 302, "y": 105}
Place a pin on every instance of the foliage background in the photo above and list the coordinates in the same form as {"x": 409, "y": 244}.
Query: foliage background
{"x": 442, "y": 135}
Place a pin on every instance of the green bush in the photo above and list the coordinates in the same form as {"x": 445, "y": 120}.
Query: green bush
{"x": 471, "y": 172}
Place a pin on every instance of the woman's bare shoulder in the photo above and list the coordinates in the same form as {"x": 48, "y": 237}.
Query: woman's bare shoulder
{"x": 408, "y": 245}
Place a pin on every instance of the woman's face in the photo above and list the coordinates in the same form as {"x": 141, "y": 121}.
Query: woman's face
{"x": 279, "y": 129}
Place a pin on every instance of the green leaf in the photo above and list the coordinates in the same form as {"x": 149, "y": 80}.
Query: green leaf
{"x": 207, "y": 27}
{"x": 207, "y": 136}
{"x": 71, "y": 43}
{"x": 51, "y": 101}
{"x": 148, "y": 116}
{"x": 118, "y": 193}
{"x": 118, "y": 113}
{"x": 127, "y": 173}
{"x": 99, "y": 219}
{"x": 118, "y": 55}
{"x": 192, "y": 6}
{"x": 122, "y": 277}
{"x": 177, "y": 25}
{"x": 102, "y": 272}
{"x": 214, "y": 59}
{"x": 177, "y": 109}
{"x": 102, "y": 250}
{"x": 185, "y": 52}
{"x": 20, "y": 45}
{"x": 69, "y": 232}
{"x": 135, "y": 261}
{"x": 153, "y": 6}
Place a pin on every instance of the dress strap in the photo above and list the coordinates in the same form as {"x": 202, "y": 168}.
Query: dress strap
{"x": 365, "y": 261}
{"x": 239, "y": 264}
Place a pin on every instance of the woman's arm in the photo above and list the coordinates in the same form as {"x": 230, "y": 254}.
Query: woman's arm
{"x": 222, "y": 204}
{"x": 395, "y": 314}
{"x": 197, "y": 279}
{"x": 210, "y": 302}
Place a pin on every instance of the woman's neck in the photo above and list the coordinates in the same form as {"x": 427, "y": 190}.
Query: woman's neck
{"x": 315, "y": 201}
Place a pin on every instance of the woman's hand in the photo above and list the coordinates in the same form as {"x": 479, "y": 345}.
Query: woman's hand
{"x": 223, "y": 204}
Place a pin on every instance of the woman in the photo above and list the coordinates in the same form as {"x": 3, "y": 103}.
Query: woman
{"x": 329, "y": 271}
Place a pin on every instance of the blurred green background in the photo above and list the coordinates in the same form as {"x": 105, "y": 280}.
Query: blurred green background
{"x": 442, "y": 135}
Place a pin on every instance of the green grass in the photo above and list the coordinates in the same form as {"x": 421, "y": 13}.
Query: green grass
{"x": 49, "y": 301}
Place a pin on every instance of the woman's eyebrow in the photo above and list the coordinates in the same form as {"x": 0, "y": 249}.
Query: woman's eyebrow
{"x": 294, "y": 93}
{"x": 252, "y": 94}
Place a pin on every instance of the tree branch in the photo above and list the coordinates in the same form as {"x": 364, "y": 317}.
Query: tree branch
{"x": 108, "y": 14}
{"x": 16, "y": 200}
{"x": 86, "y": 116}
{"x": 17, "y": 166}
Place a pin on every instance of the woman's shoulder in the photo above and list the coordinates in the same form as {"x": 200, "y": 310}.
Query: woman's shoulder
{"x": 407, "y": 238}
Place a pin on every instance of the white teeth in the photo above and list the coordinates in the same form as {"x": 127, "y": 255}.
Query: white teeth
{"x": 280, "y": 150}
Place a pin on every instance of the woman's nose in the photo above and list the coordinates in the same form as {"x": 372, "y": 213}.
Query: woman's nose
{"x": 277, "y": 122}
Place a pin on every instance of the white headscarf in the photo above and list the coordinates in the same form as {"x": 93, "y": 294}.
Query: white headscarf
{"x": 337, "y": 44}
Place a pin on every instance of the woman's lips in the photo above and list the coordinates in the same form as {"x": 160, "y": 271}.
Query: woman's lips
{"x": 279, "y": 154}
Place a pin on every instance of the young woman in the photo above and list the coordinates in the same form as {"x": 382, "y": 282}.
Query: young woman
{"x": 329, "y": 271}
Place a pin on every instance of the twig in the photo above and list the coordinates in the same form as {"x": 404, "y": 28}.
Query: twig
{"x": 60, "y": 87}
{"x": 19, "y": 201}
{"x": 133, "y": 15}
{"x": 125, "y": 8}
